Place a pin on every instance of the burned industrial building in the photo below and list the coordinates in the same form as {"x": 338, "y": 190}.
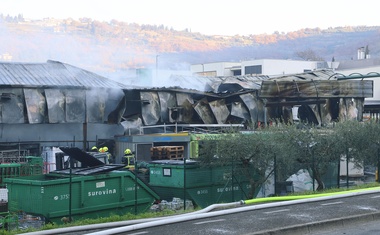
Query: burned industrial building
{"x": 53, "y": 113}
{"x": 55, "y": 104}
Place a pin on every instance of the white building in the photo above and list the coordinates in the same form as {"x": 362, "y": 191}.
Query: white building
{"x": 217, "y": 69}
{"x": 269, "y": 67}
{"x": 272, "y": 67}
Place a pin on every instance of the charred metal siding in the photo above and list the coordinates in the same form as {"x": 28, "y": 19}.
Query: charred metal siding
{"x": 320, "y": 101}
{"x": 257, "y": 99}
{"x": 53, "y": 102}
{"x": 62, "y": 105}
{"x": 55, "y": 92}
{"x": 317, "y": 89}
{"x": 57, "y": 95}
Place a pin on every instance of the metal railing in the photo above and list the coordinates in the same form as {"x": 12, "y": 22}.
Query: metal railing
{"x": 196, "y": 128}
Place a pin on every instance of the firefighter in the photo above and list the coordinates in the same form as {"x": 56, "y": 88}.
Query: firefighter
{"x": 127, "y": 152}
{"x": 128, "y": 159}
{"x": 109, "y": 155}
{"x": 94, "y": 149}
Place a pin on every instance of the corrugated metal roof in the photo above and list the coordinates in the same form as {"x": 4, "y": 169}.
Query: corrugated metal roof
{"x": 308, "y": 76}
{"x": 213, "y": 84}
{"x": 51, "y": 74}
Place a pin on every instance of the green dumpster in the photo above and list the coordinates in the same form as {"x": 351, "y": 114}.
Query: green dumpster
{"x": 171, "y": 174}
{"x": 203, "y": 185}
{"x": 92, "y": 196}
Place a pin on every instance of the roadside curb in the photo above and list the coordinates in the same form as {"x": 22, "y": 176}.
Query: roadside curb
{"x": 320, "y": 226}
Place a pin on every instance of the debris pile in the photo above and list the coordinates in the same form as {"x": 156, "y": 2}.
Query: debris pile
{"x": 176, "y": 204}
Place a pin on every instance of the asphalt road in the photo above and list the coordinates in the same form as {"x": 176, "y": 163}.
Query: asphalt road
{"x": 354, "y": 215}
{"x": 307, "y": 218}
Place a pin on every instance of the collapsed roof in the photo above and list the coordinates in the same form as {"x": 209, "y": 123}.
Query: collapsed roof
{"x": 319, "y": 95}
{"x": 54, "y": 92}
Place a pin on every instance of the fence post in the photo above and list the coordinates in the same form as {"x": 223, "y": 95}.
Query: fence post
{"x": 378, "y": 164}
{"x": 70, "y": 188}
{"x": 135, "y": 171}
{"x": 184, "y": 182}
{"x": 347, "y": 167}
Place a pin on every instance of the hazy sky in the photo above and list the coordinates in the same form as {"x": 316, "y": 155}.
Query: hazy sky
{"x": 211, "y": 17}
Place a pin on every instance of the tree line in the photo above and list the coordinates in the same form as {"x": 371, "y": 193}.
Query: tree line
{"x": 285, "y": 149}
{"x": 160, "y": 34}
{"x": 117, "y": 46}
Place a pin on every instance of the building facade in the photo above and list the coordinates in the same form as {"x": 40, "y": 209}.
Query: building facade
{"x": 269, "y": 67}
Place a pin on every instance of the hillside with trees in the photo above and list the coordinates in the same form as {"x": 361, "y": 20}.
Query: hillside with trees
{"x": 104, "y": 47}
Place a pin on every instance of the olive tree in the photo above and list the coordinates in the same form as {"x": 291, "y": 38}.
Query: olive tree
{"x": 250, "y": 153}
{"x": 356, "y": 140}
{"x": 285, "y": 149}
{"x": 362, "y": 142}
{"x": 313, "y": 149}
{"x": 372, "y": 136}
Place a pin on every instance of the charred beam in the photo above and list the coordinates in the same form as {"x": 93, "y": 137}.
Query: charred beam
{"x": 292, "y": 103}
{"x": 317, "y": 89}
